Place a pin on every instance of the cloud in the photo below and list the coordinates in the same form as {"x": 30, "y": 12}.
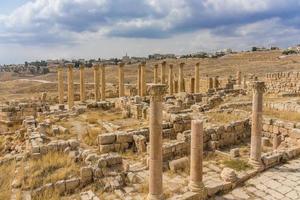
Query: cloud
{"x": 113, "y": 27}
{"x": 50, "y": 21}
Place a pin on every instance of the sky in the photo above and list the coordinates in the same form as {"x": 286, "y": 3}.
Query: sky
{"x": 54, "y": 29}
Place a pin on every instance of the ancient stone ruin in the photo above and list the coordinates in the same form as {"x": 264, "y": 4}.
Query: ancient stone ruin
{"x": 168, "y": 135}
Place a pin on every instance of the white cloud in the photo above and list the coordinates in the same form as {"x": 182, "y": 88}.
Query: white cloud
{"x": 67, "y": 25}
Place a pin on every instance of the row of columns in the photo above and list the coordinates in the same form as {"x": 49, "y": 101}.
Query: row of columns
{"x": 171, "y": 82}
{"x": 196, "y": 158}
{"x": 98, "y": 75}
{"x": 99, "y": 79}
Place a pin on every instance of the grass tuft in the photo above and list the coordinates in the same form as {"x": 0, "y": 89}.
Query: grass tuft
{"x": 238, "y": 165}
{"x": 50, "y": 168}
{"x": 6, "y": 177}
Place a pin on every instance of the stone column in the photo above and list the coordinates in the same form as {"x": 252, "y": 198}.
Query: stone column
{"x": 96, "y": 82}
{"x": 156, "y": 92}
{"x": 139, "y": 86}
{"x": 60, "y": 78}
{"x": 210, "y": 83}
{"x": 82, "y": 85}
{"x": 245, "y": 82}
{"x": 181, "y": 81}
{"x": 255, "y": 152}
{"x": 143, "y": 79}
{"x": 192, "y": 85}
{"x": 196, "y": 162}
{"x": 176, "y": 86}
{"x": 163, "y": 72}
{"x": 238, "y": 78}
{"x": 171, "y": 82}
{"x": 121, "y": 79}
{"x": 155, "y": 71}
{"x": 276, "y": 141}
{"x": 70, "y": 86}
{"x": 216, "y": 82}
{"x": 197, "y": 78}
{"x": 103, "y": 82}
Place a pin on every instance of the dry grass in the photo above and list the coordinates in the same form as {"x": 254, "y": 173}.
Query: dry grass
{"x": 6, "y": 177}
{"x": 223, "y": 118}
{"x": 47, "y": 195}
{"x": 2, "y": 142}
{"x": 49, "y": 169}
{"x": 238, "y": 165}
{"x": 285, "y": 115}
{"x": 90, "y": 136}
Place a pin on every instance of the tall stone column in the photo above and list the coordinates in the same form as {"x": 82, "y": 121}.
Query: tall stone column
{"x": 121, "y": 79}
{"x": 143, "y": 79}
{"x": 245, "y": 82}
{"x": 210, "y": 83}
{"x": 216, "y": 82}
{"x": 176, "y": 86}
{"x": 163, "y": 72}
{"x": 238, "y": 78}
{"x": 155, "y": 71}
{"x": 196, "y": 164}
{"x": 256, "y": 128}
{"x": 139, "y": 80}
{"x": 60, "y": 79}
{"x": 181, "y": 81}
{"x": 70, "y": 86}
{"x": 156, "y": 92}
{"x": 103, "y": 82}
{"x": 82, "y": 84}
{"x": 96, "y": 82}
{"x": 171, "y": 77}
{"x": 192, "y": 85}
{"x": 197, "y": 78}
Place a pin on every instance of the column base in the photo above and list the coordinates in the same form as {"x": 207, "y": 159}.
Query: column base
{"x": 256, "y": 164}
{"x": 198, "y": 188}
{"x": 155, "y": 197}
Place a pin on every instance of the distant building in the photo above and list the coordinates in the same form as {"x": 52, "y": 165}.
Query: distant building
{"x": 161, "y": 56}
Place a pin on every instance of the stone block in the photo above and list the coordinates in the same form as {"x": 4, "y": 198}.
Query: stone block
{"x": 60, "y": 186}
{"x": 179, "y": 164}
{"x": 295, "y": 133}
{"x": 86, "y": 175}
{"x": 107, "y": 148}
{"x": 124, "y": 137}
{"x": 108, "y": 138}
{"x": 72, "y": 184}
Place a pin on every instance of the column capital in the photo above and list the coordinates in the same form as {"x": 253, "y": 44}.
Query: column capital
{"x": 164, "y": 63}
{"x": 59, "y": 67}
{"x": 157, "y": 91}
{"x": 171, "y": 66}
{"x": 258, "y": 86}
{"x": 182, "y": 64}
{"x": 121, "y": 64}
{"x": 197, "y": 64}
{"x": 96, "y": 66}
{"x": 81, "y": 66}
{"x": 156, "y": 65}
{"x": 143, "y": 63}
{"x": 70, "y": 65}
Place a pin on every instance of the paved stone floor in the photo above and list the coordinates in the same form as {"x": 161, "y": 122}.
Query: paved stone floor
{"x": 281, "y": 182}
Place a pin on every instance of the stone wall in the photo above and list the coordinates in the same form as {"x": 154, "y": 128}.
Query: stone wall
{"x": 286, "y": 83}
{"x": 286, "y": 129}
{"x": 120, "y": 141}
{"x": 284, "y": 106}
